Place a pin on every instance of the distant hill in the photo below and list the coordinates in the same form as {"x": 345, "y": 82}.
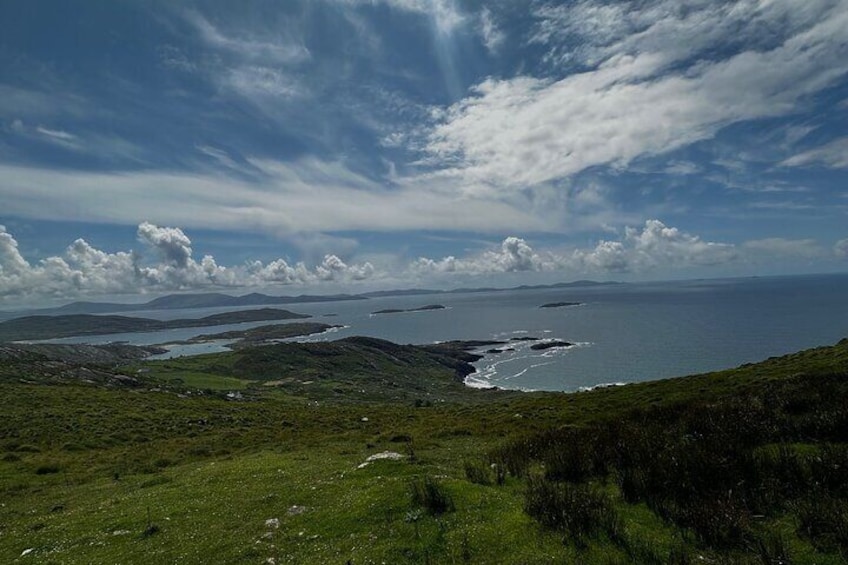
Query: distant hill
{"x": 51, "y": 327}
{"x": 181, "y": 301}
{"x": 221, "y": 300}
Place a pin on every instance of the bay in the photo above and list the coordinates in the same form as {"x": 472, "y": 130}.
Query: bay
{"x": 622, "y": 333}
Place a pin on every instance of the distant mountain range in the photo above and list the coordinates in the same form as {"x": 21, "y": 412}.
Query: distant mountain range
{"x": 220, "y": 300}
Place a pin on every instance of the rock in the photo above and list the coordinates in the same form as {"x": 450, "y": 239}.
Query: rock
{"x": 390, "y": 455}
{"x": 550, "y": 345}
{"x": 559, "y": 304}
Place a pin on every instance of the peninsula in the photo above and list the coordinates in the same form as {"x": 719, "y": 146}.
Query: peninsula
{"x": 52, "y": 327}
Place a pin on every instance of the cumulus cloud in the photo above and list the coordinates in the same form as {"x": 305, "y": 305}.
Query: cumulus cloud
{"x": 841, "y": 248}
{"x": 514, "y": 255}
{"x": 172, "y": 243}
{"x": 517, "y": 132}
{"x": 164, "y": 264}
{"x": 654, "y": 246}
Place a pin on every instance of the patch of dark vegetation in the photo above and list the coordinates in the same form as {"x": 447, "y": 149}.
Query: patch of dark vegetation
{"x": 48, "y": 469}
{"x": 430, "y": 495}
{"x": 478, "y": 473}
{"x": 581, "y": 511}
{"x": 711, "y": 466}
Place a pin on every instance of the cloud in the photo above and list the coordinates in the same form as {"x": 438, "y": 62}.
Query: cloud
{"x": 833, "y": 155}
{"x": 514, "y": 255}
{"x": 164, "y": 264}
{"x": 644, "y": 97}
{"x": 492, "y": 36}
{"x": 841, "y": 248}
{"x": 653, "y": 247}
{"x": 306, "y": 195}
{"x": 445, "y": 14}
{"x": 173, "y": 245}
{"x": 785, "y": 248}
{"x": 56, "y": 134}
{"x": 280, "y": 47}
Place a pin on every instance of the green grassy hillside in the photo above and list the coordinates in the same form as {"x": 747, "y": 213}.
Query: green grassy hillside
{"x": 262, "y": 454}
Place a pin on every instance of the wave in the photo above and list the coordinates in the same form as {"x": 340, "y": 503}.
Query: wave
{"x": 599, "y": 386}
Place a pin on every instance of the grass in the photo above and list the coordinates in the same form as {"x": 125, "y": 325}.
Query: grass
{"x": 176, "y": 472}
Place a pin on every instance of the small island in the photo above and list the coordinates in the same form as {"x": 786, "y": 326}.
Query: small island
{"x": 262, "y": 335}
{"x": 550, "y": 345}
{"x": 560, "y": 304}
{"x": 419, "y": 309}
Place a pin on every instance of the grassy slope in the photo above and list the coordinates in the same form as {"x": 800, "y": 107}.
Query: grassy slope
{"x": 92, "y": 473}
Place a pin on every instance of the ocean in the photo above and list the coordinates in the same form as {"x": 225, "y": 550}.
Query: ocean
{"x": 621, "y": 333}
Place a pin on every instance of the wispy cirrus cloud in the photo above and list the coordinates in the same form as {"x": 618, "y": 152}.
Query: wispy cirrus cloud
{"x": 307, "y": 195}
{"x": 833, "y": 155}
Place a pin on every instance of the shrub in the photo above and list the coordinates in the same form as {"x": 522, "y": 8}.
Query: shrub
{"x": 478, "y": 473}
{"x": 428, "y": 494}
{"x": 578, "y": 510}
{"x": 47, "y": 469}
{"x": 824, "y": 521}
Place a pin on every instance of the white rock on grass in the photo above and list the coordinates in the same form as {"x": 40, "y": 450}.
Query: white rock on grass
{"x": 272, "y": 523}
{"x": 390, "y": 455}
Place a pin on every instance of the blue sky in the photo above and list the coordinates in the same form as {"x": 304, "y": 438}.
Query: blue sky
{"x": 326, "y": 145}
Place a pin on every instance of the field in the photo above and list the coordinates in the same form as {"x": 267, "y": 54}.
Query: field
{"x": 262, "y": 455}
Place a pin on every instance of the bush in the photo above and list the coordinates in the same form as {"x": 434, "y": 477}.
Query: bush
{"x": 578, "y": 510}
{"x": 478, "y": 473}
{"x": 824, "y": 521}
{"x": 428, "y": 494}
{"x": 47, "y": 469}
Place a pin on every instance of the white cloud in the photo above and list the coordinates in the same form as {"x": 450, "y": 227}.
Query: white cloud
{"x": 279, "y": 47}
{"x": 308, "y": 195}
{"x": 781, "y": 247}
{"x": 173, "y": 245}
{"x": 260, "y": 81}
{"x": 513, "y": 133}
{"x": 55, "y": 134}
{"x": 492, "y": 36}
{"x": 658, "y": 245}
{"x": 833, "y": 155}
{"x": 85, "y": 270}
{"x": 445, "y": 14}
{"x": 841, "y": 248}
{"x": 653, "y": 247}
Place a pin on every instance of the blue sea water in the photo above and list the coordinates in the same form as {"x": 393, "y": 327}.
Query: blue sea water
{"x": 623, "y": 333}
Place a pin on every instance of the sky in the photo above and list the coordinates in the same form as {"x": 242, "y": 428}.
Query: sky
{"x": 324, "y": 146}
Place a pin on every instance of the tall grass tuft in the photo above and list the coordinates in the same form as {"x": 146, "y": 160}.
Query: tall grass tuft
{"x": 578, "y": 510}
{"x": 428, "y": 494}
